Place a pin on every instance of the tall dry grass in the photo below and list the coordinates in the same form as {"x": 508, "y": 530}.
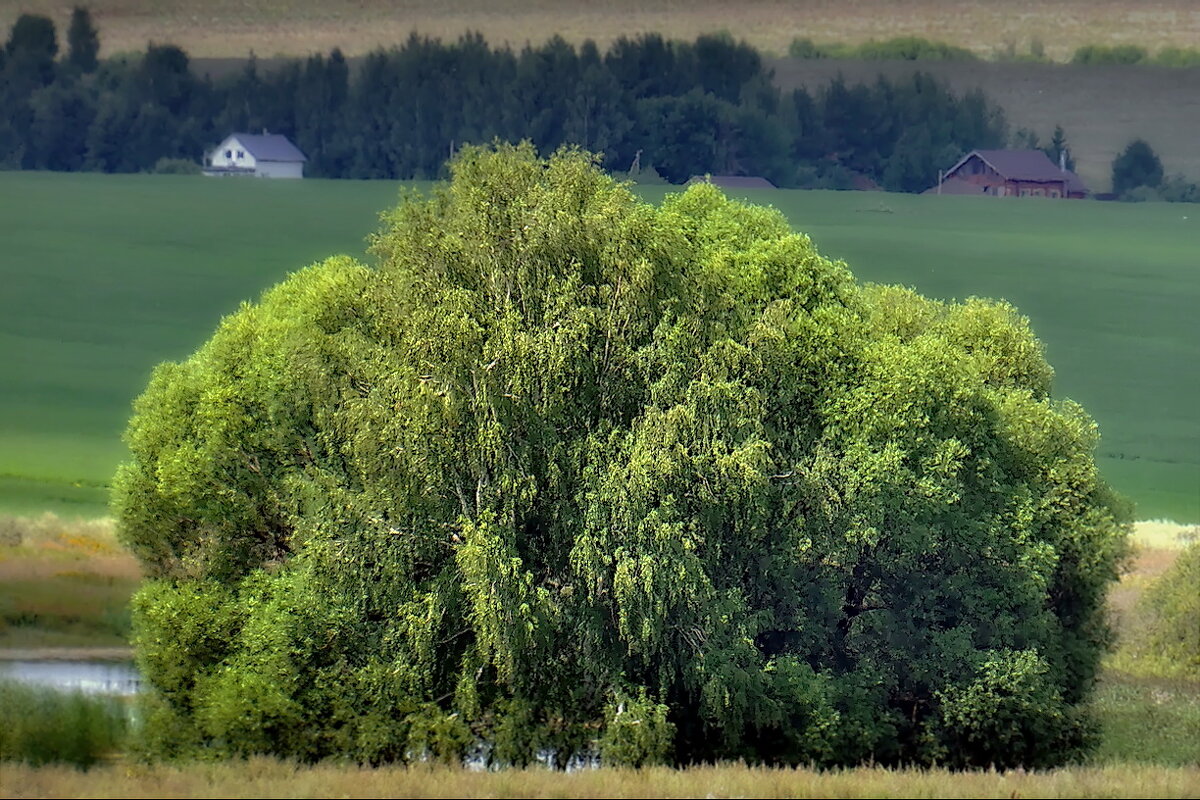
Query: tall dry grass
{"x": 269, "y": 778}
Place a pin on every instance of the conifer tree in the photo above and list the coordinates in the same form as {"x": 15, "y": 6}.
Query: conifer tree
{"x": 83, "y": 41}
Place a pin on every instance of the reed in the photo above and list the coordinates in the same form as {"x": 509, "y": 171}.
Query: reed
{"x": 46, "y": 726}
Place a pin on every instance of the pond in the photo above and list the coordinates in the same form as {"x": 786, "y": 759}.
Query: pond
{"x": 91, "y": 677}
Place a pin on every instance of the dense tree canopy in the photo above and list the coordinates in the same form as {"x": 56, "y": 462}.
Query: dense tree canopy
{"x": 688, "y": 108}
{"x": 566, "y": 472}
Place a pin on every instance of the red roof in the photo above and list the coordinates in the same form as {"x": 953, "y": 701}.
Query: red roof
{"x": 1024, "y": 165}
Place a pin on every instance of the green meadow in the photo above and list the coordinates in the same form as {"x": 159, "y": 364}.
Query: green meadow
{"x": 102, "y": 277}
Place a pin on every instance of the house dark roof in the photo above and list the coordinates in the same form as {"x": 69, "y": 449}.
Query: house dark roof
{"x": 733, "y": 181}
{"x": 269, "y": 147}
{"x": 1024, "y": 165}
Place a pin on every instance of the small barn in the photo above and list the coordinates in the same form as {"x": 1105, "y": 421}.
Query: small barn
{"x": 265, "y": 155}
{"x": 1010, "y": 173}
{"x": 732, "y": 181}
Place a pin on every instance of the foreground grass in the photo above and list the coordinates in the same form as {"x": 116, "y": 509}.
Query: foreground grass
{"x": 63, "y": 583}
{"x": 105, "y": 276}
{"x": 268, "y": 778}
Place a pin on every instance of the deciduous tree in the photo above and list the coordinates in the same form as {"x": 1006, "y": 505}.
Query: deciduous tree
{"x": 565, "y": 472}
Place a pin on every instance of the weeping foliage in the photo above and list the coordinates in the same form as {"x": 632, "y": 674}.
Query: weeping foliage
{"x": 567, "y": 473}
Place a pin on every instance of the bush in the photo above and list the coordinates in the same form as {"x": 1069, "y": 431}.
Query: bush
{"x": 1184, "y": 57}
{"x": 1116, "y": 54}
{"x": 567, "y": 471}
{"x": 638, "y": 732}
{"x": 901, "y": 48}
{"x": 1179, "y": 189}
{"x": 46, "y": 726}
{"x": 1172, "y": 604}
{"x": 1142, "y": 194}
{"x": 1136, "y": 166}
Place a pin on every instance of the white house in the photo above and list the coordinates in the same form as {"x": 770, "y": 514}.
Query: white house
{"x": 266, "y": 155}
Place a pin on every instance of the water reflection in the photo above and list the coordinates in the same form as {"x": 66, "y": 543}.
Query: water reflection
{"x": 91, "y": 677}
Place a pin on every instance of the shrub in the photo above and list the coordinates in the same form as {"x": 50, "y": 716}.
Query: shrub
{"x": 1184, "y": 57}
{"x": 1172, "y": 604}
{"x": 1179, "y": 189}
{"x": 901, "y": 48}
{"x": 1116, "y": 54}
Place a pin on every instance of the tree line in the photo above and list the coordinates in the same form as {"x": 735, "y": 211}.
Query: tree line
{"x": 668, "y": 109}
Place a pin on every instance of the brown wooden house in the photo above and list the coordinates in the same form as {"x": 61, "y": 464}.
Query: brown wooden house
{"x": 1010, "y": 173}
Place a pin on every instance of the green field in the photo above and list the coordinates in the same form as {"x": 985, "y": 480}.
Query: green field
{"x": 101, "y": 277}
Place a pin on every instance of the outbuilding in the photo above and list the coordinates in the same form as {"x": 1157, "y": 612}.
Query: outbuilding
{"x": 1010, "y": 173}
{"x": 265, "y": 155}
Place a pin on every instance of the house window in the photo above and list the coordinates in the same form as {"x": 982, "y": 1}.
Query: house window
{"x": 229, "y": 154}
{"x": 241, "y": 154}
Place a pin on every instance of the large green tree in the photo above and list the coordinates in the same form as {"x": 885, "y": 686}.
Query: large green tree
{"x": 567, "y": 472}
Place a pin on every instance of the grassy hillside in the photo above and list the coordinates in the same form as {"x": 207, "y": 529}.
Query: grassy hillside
{"x": 104, "y": 276}
{"x": 296, "y": 27}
